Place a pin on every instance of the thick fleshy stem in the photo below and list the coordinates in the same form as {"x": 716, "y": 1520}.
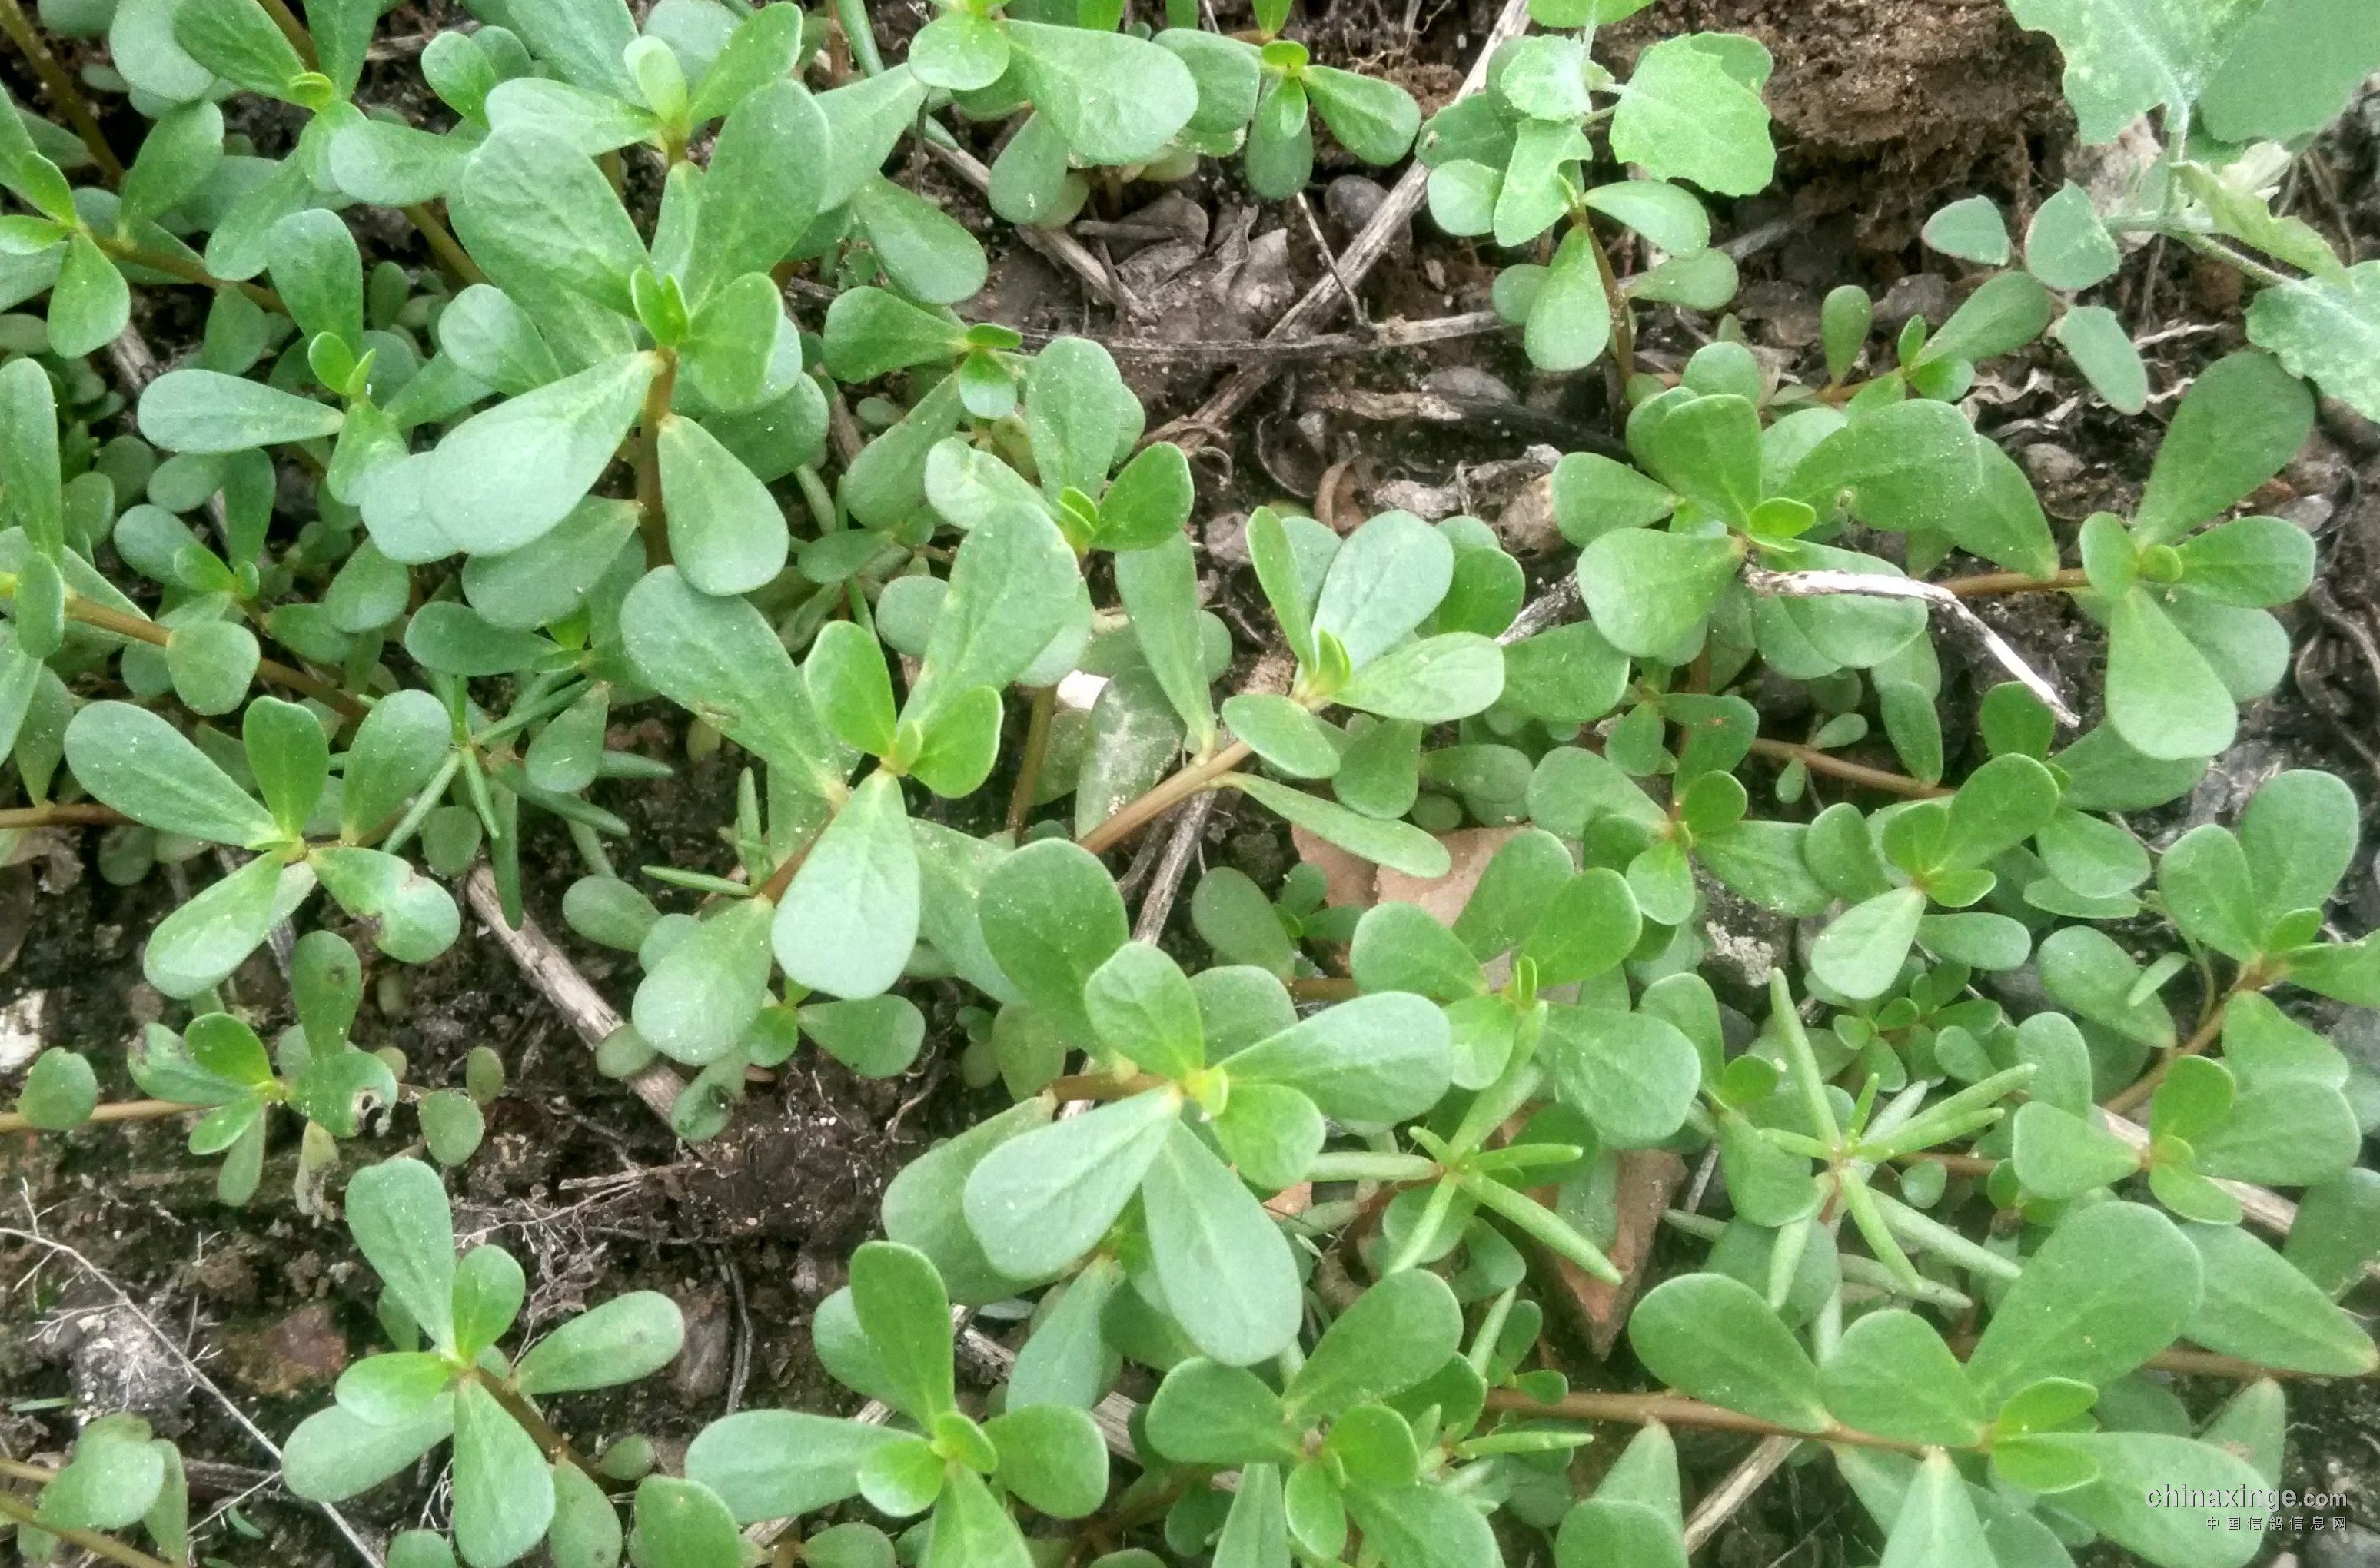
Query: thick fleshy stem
{"x": 652, "y": 519}
{"x": 1137, "y": 814}
{"x": 61, "y": 88}
{"x": 93, "y": 1541}
{"x": 119, "y": 1110}
{"x": 1827, "y": 762}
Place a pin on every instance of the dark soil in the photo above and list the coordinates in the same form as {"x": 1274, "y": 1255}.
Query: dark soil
{"x": 1885, "y": 109}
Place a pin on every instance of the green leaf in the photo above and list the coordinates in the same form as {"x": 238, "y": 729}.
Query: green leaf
{"x": 849, "y": 684}
{"x": 1012, "y": 584}
{"x": 1432, "y": 680}
{"x": 1400, "y": 946}
{"x": 2258, "y": 1307}
{"x": 1971, "y": 230}
{"x": 971, "y": 1527}
{"x": 1634, "y": 1075}
{"x": 2242, "y": 419}
{"x": 1862, "y": 950}
{"x": 1225, "y": 1268}
{"x": 1399, "y": 845}
{"x": 503, "y": 1493}
{"x": 2113, "y": 1285}
{"x": 1208, "y": 1413}
{"x": 30, "y": 493}
{"x": 1670, "y": 216}
{"x": 771, "y": 1464}
{"x": 1683, "y": 115}
{"x": 1383, "y": 582}
{"x": 2060, "y": 1154}
{"x": 2123, "y": 59}
{"x": 2009, "y": 312}
{"x": 1593, "y": 495}
{"x": 725, "y": 531}
{"x": 1373, "y": 118}
{"x": 1892, "y": 1375}
{"x": 1039, "y": 1201}
{"x": 1052, "y": 1456}
{"x": 1142, "y": 1007}
{"x": 504, "y": 476}
{"x": 720, "y": 658}
{"x": 1149, "y": 501}
{"x": 116, "y": 1475}
{"x": 1116, "y": 99}
{"x": 1373, "y": 1061}
{"x": 682, "y": 1524}
{"x": 201, "y": 943}
{"x": 414, "y": 919}
{"x": 393, "y": 752}
{"x": 848, "y": 921}
{"x": 1393, "y": 1336}
{"x": 537, "y": 214}
{"x": 698, "y": 998}
{"x": 2326, "y": 329}
{"x": 2101, "y": 348}
{"x": 1288, "y": 738}
{"x": 335, "y": 1454}
{"x": 1570, "y": 320}
{"x": 765, "y": 184}
{"x": 2128, "y": 1503}
{"x": 2299, "y": 831}
{"x": 1937, "y": 1522}
{"x": 60, "y": 1090}
{"x": 1255, "y": 1531}
{"x": 1052, "y": 916}
{"x": 2164, "y": 699}
{"x": 1713, "y": 1337}
{"x": 398, "y": 1214}
{"x": 1423, "y": 1525}
{"x": 1158, "y": 586}
{"x": 627, "y": 1337}
{"x": 903, "y": 1309}
{"x": 1648, "y": 591}
{"x": 2066, "y": 246}
{"x": 140, "y": 764}
{"x": 212, "y": 663}
{"x": 193, "y": 410}
{"x": 2292, "y": 68}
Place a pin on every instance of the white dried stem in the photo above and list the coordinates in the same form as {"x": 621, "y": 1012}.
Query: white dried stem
{"x": 1737, "y": 1490}
{"x": 1820, "y": 585}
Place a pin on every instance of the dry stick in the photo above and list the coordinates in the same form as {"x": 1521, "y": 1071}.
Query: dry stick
{"x": 1823, "y": 585}
{"x": 1387, "y": 336}
{"x": 1354, "y": 263}
{"x": 1737, "y": 1490}
{"x": 1156, "y": 905}
{"x": 550, "y": 971}
{"x": 61, "y": 89}
{"x": 1060, "y": 246}
{"x": 197, "y": 1376}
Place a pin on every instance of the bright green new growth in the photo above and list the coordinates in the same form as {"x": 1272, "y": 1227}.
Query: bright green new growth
{"x": 1988, "y": 1149}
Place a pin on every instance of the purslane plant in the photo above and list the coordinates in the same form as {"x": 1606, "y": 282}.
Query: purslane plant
{"x": 417, "y": 535}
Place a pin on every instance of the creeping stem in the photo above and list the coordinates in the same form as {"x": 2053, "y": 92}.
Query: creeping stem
{"x": 61, "y": 88}
{"x": 652, "y": 520}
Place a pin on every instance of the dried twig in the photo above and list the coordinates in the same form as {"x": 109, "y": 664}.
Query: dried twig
{"x": 1386, "y": 335}
{"x": 550, "y": 971}
{"x": 1547, "y": 609}
{"x": 1181, "y": 843}
{"x": 1061, "y": 248}
{"x": 1819, "y": 585}
{"x": 195, "y": 1374}
{"x": 1354, "y": 263}
{"x": 1737, "y": 1490}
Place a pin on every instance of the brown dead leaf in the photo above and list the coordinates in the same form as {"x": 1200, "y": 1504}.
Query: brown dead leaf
{"x": 1649, "y": 1179}
{"x": 1469, "y": 849}
{"x": 301, "y": 1349}
{"x": 1346, "y": 878}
